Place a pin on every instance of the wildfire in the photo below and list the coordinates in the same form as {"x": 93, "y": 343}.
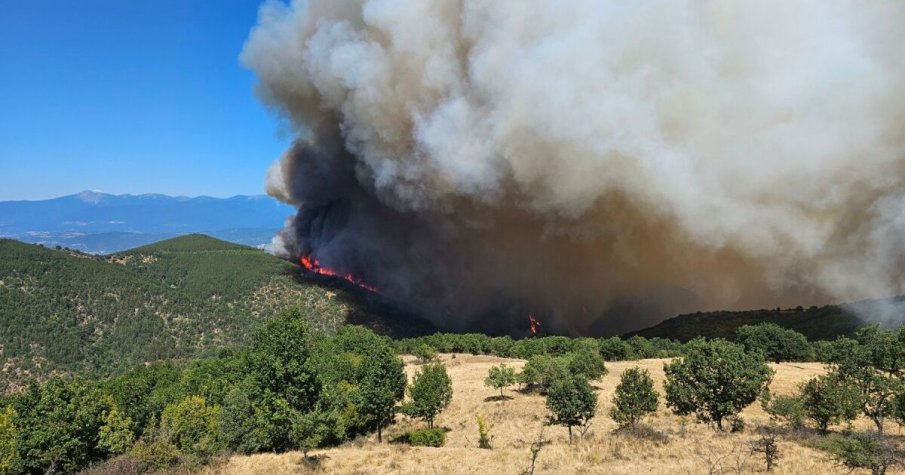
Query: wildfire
{"x": 534, "y": 323}
{"x": 313, "y": 265}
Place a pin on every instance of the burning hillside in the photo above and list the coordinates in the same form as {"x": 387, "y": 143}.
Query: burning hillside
{"x": 601, "y": 163}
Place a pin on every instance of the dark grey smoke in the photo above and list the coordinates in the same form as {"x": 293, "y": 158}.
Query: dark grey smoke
{"x": 601, "y": 164}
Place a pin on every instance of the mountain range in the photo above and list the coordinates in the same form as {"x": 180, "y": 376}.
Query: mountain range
{"x": 101, "y": 223}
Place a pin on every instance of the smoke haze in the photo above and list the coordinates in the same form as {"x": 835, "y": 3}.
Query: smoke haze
{"x": 601, "y": 164}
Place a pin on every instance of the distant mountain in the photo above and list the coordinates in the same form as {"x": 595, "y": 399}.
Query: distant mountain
{"x": 101, "y": 223}
{"x": 66, "y": 311}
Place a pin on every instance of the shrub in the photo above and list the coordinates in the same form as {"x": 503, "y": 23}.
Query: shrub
{"x": 587, "y": 363}
{"x": 572, "y": 402}
{"x": 500, "y": 377}
{"x": 156, "y": 455}
{"x": 635, "y": 397}
{"x": 434, "y": 437}
{"x": 540, "y": 371}
{"x": 828, "y": 399}
{"x": 484, "y": 437}
{"x": 716, "y": 379}
{"x": 870, "y": 451}
{"x": 789, "y": 409}
{"x": 425, "y": 353}
{"x": 191, "y": 426}
{"x": 614, "y": 349}
{"x": 767, "y": 446}
{"x": 430, "y": 393}
{"x": 776, "y": 343}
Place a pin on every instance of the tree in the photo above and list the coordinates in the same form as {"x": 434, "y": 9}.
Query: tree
{"x": 635, "y": 397}
{"x": 870, "y": 451}
{"x": 430, "y": 393}
{"x": 572, "y": 402}
{"x": 382, "y": 384}
{"x": 425, "y": 353}
{"x": 116, "y": 434}
{"x": 829, "y": 399}
{"x": 776, "y": 343}
{"x": 715, "y": 379}
{"x": 587, "y": 363}
{"x": 9, "y": 442}
{"x": 541, "y": 370}
{"x": 784, "y": 408}
{"x": 191, "y": 425}
{"x": 500, "y": 377}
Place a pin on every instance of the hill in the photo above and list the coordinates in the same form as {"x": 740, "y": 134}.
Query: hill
{"x": 103, "y": 223}
{"x": 673, "y": 445}
{"x": 66, "y": 311}
{"x": 816, "y": 323}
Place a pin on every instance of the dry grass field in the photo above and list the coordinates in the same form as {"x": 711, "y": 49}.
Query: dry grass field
{"x": 688, "y": 447}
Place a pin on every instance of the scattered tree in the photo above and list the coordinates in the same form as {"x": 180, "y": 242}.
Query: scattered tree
{"x": 829, "y": 399}
{"x": 382, "y": 385}
{"x": 587, "y": 363}
{"x": 869, "y": 451}
{"x": 635, "y": 397}
{"x": 430, "y": 393}
{"x": 789, "y": 409}
{"x": 572, "y": 402}
{"x": 500, "y": 377}
{"x": 714, "y": 380}
{"x": 542, "y": 370}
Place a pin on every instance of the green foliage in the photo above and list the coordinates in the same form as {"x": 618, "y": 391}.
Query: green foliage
{"x": 572, "y": 402}
{"x": 183, "y": 298}
{"x": 868, "y": 451}
{"x": 155, "y": 455}
{"x": 776, "y": 343}
{"x": 426, "y": 437}
{"x": 542, "y": 370}
{"x": 829, "y": 399}
{"x": 587, "y": 363}
{"x": 425, "y": 353}
{"x": 615, "y": 349}
{"x": 116, "y": 434}
{"x": 714, "y": 380}
{"x": 500, "y": 377}
{"x": 635, "y": 397}
{"x": 430, "y": 393}
{"x": 815, "y": 323}
{"x": 9, "y": 442}
{"x": 381, "y": 385}
{"x": 191, "y": 426}
{"x": 788, "y": 409}
{"x": 484, "y": 438}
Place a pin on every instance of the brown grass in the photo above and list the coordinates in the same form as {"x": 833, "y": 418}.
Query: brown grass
{"x": 691, "y": 447}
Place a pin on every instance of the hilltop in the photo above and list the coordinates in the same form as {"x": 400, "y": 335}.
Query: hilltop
{"x": 64, "y": 311}
{"x": 816, "y": 323}
{"x": 102, "y": 223}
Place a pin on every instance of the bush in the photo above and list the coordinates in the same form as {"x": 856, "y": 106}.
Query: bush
{"x": 430, "y": 393}
{"x": 425, "y": 353}
{"x": 635, "y": 397}
{"x": 484, "y": 437}
{"x": 776, "y": 343}
{"x": 716, "y": 379}
{"x": 156, "y": 455}
{"x": 870, "y": 451}
{"x": 499, "y": 377}
{"x": 435, "y": 437}
{"x": 572, "y": 402}
{"x": 540, "y": 371}
{"x": 789, "y": 409}
{"x": 829, "y": 399}
{"x": 191, "y": 426}
{"x": 588, "y": 364}
{"x": 614, "y": 349}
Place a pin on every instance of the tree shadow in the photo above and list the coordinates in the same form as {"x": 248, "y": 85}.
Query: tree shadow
{"x": 498, "y": 398}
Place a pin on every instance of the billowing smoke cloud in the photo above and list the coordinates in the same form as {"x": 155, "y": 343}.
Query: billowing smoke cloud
{"x": 599, "y": 163}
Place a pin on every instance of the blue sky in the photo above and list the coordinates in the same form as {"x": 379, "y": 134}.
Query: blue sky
{"x": 130, "y": 96}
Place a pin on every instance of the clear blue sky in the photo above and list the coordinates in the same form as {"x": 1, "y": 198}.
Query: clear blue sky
{"x": 130, "y": 96}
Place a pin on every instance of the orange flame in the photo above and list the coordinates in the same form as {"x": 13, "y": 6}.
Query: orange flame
{"x": 313, "y": 265}
{"x": 534, "y": 322}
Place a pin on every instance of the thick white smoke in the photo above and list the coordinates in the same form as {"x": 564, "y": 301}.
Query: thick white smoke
{"x": 588, "y": 160}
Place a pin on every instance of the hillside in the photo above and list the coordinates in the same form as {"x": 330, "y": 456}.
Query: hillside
{"x": 676, "y": 445}
{"x": 63, "y": 311}
{"x": 816, "y": 323}
{"x": 102, "y": 223}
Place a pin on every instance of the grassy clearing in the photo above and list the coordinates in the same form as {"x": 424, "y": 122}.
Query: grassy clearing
{"x": 689, "y": 447}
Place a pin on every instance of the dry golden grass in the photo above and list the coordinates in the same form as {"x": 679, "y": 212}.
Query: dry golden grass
{"x": 691, "y": 447}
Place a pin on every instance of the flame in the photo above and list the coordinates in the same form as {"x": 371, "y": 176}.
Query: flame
{"x": 534, "y": 322}
{"x": 313, "y": 265}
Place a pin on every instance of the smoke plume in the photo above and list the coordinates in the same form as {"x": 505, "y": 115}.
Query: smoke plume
{"x": 601, "y": 164}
